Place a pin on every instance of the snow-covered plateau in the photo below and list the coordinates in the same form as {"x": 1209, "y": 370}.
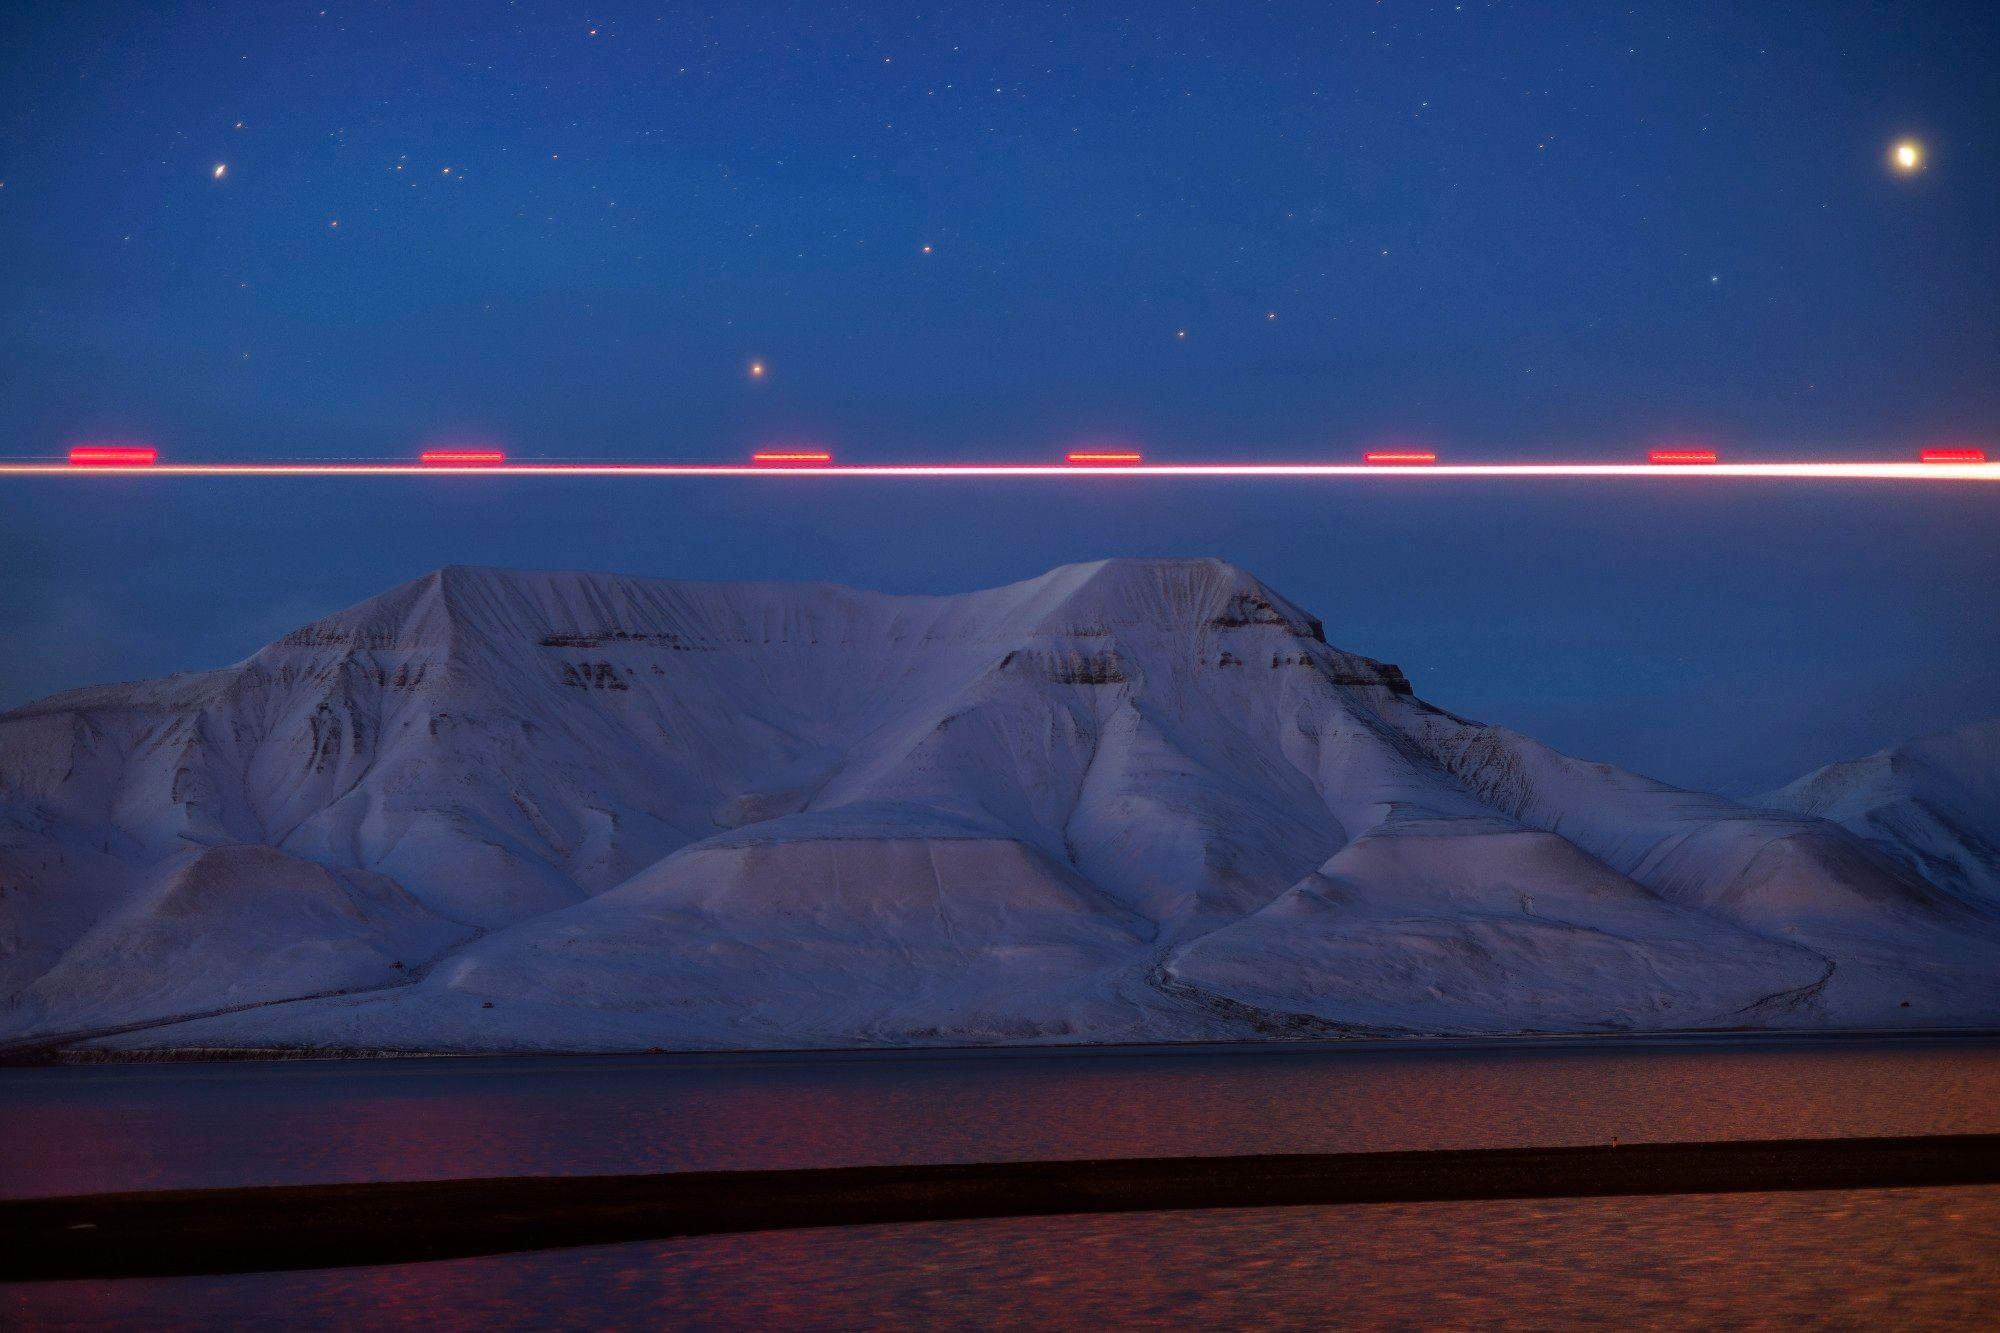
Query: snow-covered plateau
{"x": 1125, "y": 801}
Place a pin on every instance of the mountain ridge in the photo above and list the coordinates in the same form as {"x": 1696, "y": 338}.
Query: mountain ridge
{"x": 592, "y": 811}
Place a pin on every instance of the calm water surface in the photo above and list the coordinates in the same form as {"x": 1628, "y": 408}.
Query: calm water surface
{"x": 1880, "y": 1259}
{"x": 89, "y": 1129}
{"x": 1872, "y": 1258}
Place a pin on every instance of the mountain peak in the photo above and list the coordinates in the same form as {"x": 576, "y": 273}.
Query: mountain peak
{"x": 556, "y": 607}
{"x": 1193, "y": 593}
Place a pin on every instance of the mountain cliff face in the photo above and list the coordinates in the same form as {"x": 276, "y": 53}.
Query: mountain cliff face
{"x": 1123, "y": 801}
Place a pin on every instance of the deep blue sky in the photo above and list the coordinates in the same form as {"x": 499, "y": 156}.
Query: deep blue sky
{"x": 1562, "y": 230}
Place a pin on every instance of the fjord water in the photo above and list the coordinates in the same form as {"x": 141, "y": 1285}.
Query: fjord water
{"x": 1871, "y": 1259}
{"x": 1924, "y": 1254}
{"x": 92, "y": 1129}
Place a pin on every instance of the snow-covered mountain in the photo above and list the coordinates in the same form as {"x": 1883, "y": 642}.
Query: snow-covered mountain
{"x": 1932, "y": 803}
{"x": 1123, "y": 801}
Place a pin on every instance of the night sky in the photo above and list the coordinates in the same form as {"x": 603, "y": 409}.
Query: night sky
{"x": 999, "y": 231}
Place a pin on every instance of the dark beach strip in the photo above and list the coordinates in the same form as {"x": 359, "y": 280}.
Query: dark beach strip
{"x": 181, "y": 1232}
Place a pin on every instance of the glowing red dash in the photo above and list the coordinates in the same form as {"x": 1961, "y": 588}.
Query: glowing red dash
{"x": 1102, "y": 458}
{"x": 462, "y": 457}
{"x": 1398, "y": 456}
{"x": 1952, "y": 456}
{"x": 1681, "y": 456}
{"x": 103, "y": 456}
{"x": 793, "y": 457}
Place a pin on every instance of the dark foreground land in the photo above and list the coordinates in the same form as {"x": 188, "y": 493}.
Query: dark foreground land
{"x": 183, "y": 1232}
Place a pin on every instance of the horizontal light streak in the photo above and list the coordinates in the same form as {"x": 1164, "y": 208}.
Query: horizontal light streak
{"x": 1846, "y": 471}
{"x": 1399, "y": 456}
{"x": 1953, "y": 456}
{"x": 1682, "y": 457}
{"x": 108, "y": 455}
{"x": 791, "y": 457}
{"x": 1087, "y": 458}
{"x": 461, "y": 457}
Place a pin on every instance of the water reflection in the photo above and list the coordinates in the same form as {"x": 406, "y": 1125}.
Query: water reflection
{"x": 1884, "y": 1258}
{"x": 148, "y": 1127}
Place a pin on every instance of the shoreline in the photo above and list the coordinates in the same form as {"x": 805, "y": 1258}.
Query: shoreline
{"x": 269, "y": 1228}
{"x": 37, "y": 1055}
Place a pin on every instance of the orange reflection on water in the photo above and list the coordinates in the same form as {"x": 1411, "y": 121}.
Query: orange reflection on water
{"x": 1878, "y": 1258}
{"x": 153, "y": 1127}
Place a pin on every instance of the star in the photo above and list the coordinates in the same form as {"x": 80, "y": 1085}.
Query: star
{"x": 220, "y": 168}
{"x": 756, "y": 370}
{"x": 1907, "y": 156}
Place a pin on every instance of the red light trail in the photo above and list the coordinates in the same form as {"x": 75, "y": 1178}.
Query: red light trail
{"x": 1950, "y": 464}
{"x": 112, "y": 456}
{"x": 462, "y": 457}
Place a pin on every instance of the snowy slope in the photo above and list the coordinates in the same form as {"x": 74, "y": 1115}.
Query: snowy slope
{"x": 1932, "y": 803}
{"x": 1127, "y": 800}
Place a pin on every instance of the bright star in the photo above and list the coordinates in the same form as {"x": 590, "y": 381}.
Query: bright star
{"x": 1908, "y": 156}
{"x": 756, "y": 370}
{"x": 219, "y": 169}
